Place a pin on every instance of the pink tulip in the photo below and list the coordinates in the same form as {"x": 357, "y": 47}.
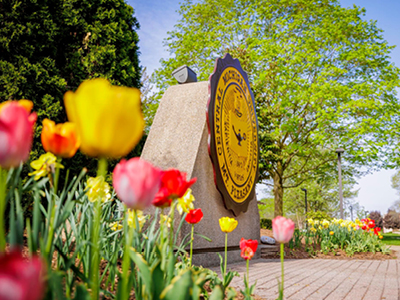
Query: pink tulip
{"x": 21, "y": 279}
{"x": 282, "y": 229}
{"x": 16, "y": 132}
{"x": 136, "y": 182}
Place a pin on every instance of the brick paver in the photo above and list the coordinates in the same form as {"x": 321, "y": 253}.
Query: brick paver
{"x": 319, "y": 279}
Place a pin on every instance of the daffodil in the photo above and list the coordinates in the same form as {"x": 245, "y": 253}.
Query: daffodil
{"x": 44, "y": 165}
{"x": 165, "y": 219}
{"x": 131, "y": 218}
{"x": 98, "y": 189}
{"x": 115, "y": 226}
{"x": 185, "y": 203}
{"x": 325, "y": 223}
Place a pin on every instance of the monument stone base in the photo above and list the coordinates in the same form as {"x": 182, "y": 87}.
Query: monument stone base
{"x": 179, "y": 139}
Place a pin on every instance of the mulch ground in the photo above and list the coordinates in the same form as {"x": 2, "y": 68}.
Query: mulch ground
{"x": 302, "y": 253}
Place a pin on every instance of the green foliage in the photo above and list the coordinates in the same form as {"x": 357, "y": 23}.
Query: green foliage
{"x": 391, "y": 239}
{"x": 318, "y": 215}
{"x": 330, "y": 236}
{"x": 50, "y": 46}
{"x": 157, "y": 270}
{"x": 266, "y": 223}
{"x": 266, "y": 208}
{"x": 320, "y": 74}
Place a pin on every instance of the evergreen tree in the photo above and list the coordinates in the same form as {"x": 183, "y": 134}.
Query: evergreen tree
{"x": 50, "y": 46}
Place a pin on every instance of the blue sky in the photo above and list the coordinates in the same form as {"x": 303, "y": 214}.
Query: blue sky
{"x": 157, "y": 17}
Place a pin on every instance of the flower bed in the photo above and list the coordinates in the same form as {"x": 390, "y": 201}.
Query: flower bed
{"x": 85, "y": 238}
{"x": 338, "y": 236}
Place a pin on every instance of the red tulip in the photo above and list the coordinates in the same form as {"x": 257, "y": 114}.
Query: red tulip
{"x": 194, "y": 216}
{"x": 247, "y": 253}
{"x": 21, "y": 279}
{"x": 253, "y": 244}
{"x": 16, "y": 132}
{"x": 371, "y": 224}
{"x": 136, "y": 182}
{"x": 60, "y": 139}
{"x": 173, "y": 185}
{"x": 248, "y": 247}
{"x": 162, "y": 199}
{"x": 282, "y": 229}
{"x": 377, "y": 230}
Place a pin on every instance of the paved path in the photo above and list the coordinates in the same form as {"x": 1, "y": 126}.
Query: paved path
{"x": 317, "y": 279}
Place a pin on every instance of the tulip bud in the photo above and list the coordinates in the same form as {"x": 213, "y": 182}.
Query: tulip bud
{"x": 194, "y": 216}
{"x": 227, "y": 224}
{"x": 136, "y": 182}
{"x": 16, "y": 132}
{"x": 61, "y": 139}
{"x": 282, "y": 229}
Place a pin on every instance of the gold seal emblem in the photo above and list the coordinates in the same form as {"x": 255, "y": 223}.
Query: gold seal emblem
{"x": 233, "y": 131}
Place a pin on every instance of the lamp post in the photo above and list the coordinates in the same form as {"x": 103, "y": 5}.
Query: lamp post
{"x": 339, "y": 151}
{"x": 305, "y": 198}
{"x": 351, "y": 212}
{"x": 305, "y": 201}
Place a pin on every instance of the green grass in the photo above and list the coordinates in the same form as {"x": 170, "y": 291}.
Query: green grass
{"x": 391, "y": 239}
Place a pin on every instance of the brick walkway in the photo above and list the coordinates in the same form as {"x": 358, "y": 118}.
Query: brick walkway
{"x": 317, "y": 279}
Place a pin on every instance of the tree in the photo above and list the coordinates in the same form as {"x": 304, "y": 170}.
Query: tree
{"x": 321, "y": 77}
{"x": 50, "y": 46}
{"x": 377, "y": 217}
{"x": 391, "y": 219}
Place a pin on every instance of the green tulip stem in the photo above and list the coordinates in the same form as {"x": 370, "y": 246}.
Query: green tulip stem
{"x": 171, "y": 232}
{"x": 52, "y": 212}
{"x": 126, "y": 258}
{"x": 226, "y": 253}
{"x": 3, "y": 187}
{"x": 191, "y": 245}
{"x": 281, "y": 287}
{"x": 101, "y": 171}
{"x": 247, "y": 270}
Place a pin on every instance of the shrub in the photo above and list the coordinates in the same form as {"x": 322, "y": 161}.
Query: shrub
{"x": 391, "y": 219}
{"x": 318, "y": 215}
{"x": 266, "y": 223}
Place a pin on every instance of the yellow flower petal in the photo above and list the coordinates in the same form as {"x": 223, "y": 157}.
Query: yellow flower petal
{"x": 108, "y": 118}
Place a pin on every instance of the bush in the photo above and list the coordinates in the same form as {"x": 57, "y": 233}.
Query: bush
{"x": 318, "y": 215}
{"x": 392, "y": 219}
{"x": 266, "y": 223}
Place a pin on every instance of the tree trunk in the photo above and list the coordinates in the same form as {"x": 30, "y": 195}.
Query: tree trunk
{"x": 278, "y": 190}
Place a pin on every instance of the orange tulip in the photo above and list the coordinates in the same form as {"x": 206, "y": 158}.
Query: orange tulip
{"x": 61, "y": 139}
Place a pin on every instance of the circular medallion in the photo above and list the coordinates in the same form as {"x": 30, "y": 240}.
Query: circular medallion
{"x": 233, "y": 134}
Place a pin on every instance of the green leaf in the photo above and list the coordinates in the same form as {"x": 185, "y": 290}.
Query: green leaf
{"x": 217, "y": 293}
{"x": 144, "y": 270}
{"x": 179, "y": 288}
{"x": 81, "y": 293}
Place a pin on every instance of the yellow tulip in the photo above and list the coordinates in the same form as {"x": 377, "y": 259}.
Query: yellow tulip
{"x": 108, "y": 118}
{"x": 331, "y": 233}
{"x": 227, "y": 224}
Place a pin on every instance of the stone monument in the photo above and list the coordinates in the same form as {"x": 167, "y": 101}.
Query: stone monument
{"x": 181, "y": 137}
